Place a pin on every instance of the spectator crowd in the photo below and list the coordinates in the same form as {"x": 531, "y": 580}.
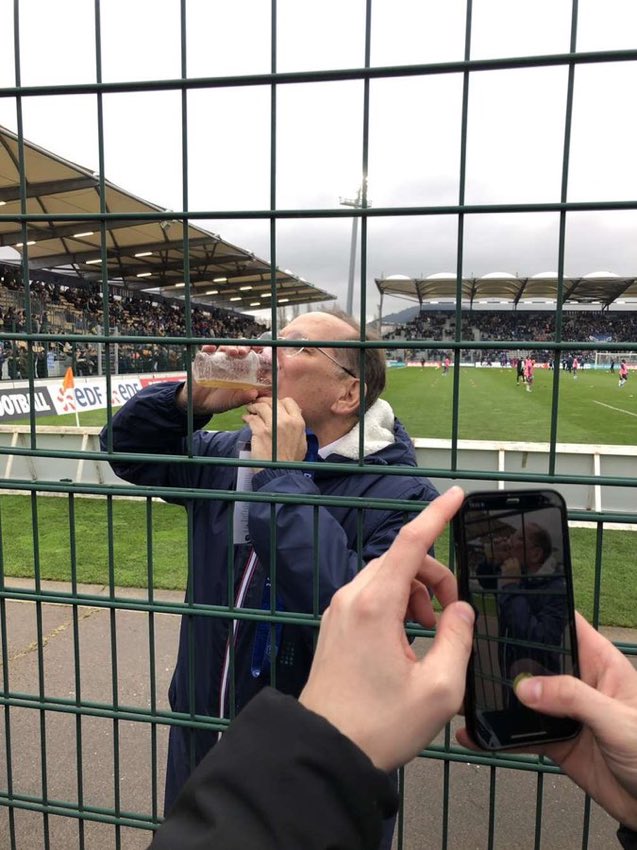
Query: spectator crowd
{"x": 539, "y": 326}
{"x": 57, "y": 308}
{"x": 577, "y": 326}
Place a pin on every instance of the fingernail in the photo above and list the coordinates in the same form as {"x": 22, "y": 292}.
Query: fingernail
{"x": 466, "y": 612}
{"x": 529, "y": 690}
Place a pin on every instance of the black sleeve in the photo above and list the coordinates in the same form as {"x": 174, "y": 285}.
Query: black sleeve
{"x": 281, "y": 777}
{"x": 488, "y": 574}
{"x": 627, "y": 838}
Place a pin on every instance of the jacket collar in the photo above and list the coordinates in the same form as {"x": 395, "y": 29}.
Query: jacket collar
{"x": 378, "y": 434}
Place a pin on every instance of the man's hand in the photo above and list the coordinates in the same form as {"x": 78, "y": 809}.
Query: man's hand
{"x": 206, "y": 401}
{"x": 366, "y": 679}
{"x": 603, "y": 758}
{"x": 501, "y": 550}
{"x": 291, "y": 443}
{"x": 509, "y": 572}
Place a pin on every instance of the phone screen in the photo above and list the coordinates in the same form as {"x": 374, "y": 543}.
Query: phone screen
{"x": 515, "y": 570}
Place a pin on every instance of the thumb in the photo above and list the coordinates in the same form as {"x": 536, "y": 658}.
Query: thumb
{"x": 566, "y": 696}
{"x": 239, "y": 398}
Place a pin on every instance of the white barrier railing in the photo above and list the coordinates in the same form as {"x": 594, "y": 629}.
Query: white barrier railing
{"x": 517, "y": 457}
{"x": 432, "y": 454}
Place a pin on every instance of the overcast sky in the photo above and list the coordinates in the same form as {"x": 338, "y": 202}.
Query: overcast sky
{"x": 515, "y": 124}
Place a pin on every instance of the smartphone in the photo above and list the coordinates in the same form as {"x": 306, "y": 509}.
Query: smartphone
{"x": 514, "y": 569}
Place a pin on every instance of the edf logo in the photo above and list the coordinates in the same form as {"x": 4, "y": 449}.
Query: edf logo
{"x": 89, "y": 396}
{"x": 127, "y": 391}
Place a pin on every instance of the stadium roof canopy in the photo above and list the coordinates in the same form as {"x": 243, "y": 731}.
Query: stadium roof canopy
{"x": 597, "y": 287}
{"x": 143, "y": 252}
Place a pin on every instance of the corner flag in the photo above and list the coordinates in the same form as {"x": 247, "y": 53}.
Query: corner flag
{"x": 67, "y": 396}
{"x": 68, "y": 383}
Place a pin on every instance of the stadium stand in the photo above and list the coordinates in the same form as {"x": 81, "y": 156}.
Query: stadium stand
{"x": 487, "y": 325}
{"x": 57, "y": 308}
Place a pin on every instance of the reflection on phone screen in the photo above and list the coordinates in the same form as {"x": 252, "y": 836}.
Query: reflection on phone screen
{"x": 518, "y": 588}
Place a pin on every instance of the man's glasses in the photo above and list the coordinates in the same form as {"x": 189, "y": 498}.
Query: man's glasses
{"x": 294, "y": 352}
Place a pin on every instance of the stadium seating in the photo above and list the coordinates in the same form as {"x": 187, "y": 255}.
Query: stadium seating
{"x": 78, "y": 309}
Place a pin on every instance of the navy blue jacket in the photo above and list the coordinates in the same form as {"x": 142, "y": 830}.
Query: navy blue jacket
{"x": 535, "y": 609}
{"x": 151, "y": 423}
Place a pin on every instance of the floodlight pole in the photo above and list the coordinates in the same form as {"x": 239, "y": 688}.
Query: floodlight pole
{"x": 357, "y": 203}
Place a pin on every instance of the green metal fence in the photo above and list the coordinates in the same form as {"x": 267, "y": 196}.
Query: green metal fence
{"x": 96, "y": 712}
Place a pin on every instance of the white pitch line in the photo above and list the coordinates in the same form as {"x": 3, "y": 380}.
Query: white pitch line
{"x": 618, "y": 409}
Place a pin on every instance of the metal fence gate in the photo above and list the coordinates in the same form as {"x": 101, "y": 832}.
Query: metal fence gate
{"x": 85, "y": 667}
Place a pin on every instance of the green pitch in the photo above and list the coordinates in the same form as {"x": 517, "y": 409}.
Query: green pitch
{"x": 591, "y": 409}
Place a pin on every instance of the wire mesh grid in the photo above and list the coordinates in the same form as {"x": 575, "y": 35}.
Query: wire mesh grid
{"x": 106, "y": 711}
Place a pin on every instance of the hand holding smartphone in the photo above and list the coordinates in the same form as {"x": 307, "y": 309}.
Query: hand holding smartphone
{"x": 514, "y": 569}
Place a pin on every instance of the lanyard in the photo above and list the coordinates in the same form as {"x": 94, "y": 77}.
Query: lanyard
{"x": 262, "y": 648}
{"x": 312, "y": 453}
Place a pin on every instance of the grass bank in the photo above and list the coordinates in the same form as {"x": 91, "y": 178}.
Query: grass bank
{"x": 73, "y": 536}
